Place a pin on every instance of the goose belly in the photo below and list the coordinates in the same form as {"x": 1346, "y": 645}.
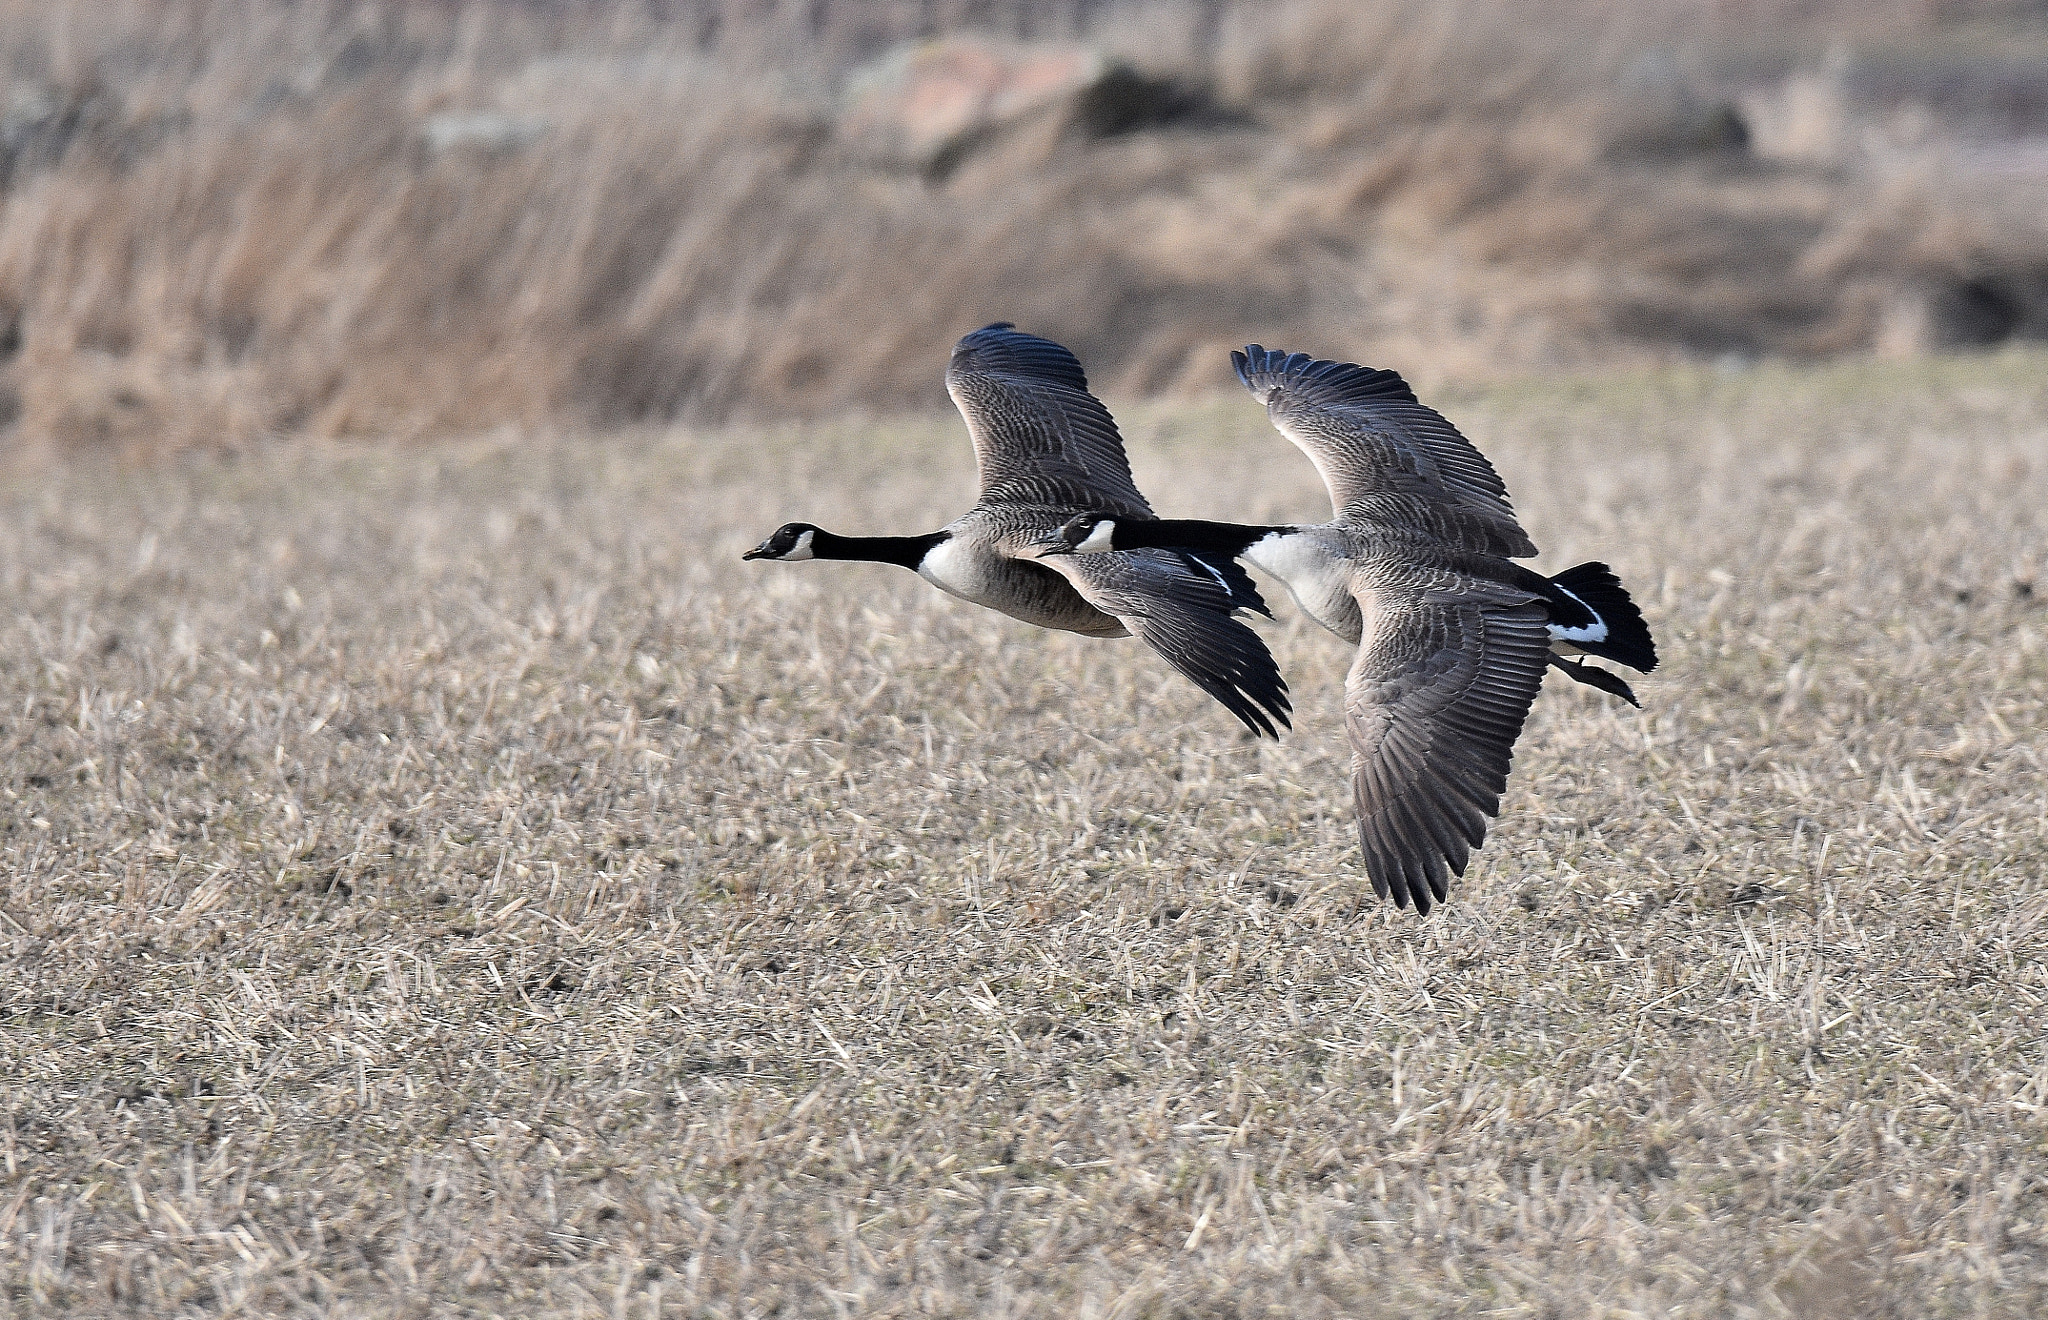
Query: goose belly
{"x": 1316, "y": 570}
{"x": 1031, "y": 592}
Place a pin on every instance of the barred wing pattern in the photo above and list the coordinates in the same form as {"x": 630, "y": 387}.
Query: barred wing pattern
{"x": 1392, "y": 464}
{"x": 1434, "y": 703}
{"x": 1039, "y": 436}
{"x": 1047, "y": 449}
{"x": 1182, "y": 609}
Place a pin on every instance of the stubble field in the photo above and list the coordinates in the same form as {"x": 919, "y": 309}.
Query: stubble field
{"x": 447, "y": 880}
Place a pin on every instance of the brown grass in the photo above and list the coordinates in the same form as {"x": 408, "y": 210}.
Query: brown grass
{"x": 225, "y": 219}
{"x": 446, "y": 880}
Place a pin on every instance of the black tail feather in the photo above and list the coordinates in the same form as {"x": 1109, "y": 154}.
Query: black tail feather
{"x": 1628, "y": 640}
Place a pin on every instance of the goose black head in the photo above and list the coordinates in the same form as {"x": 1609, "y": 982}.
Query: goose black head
{"x": 789, "y": 541}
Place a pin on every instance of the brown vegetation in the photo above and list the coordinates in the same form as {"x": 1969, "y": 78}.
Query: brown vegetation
{"x": 229, "y": 218}
{"x": 446, "y": 880}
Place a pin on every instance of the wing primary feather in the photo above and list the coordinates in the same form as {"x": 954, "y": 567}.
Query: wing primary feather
{"x": 1040, "y": 438}
{"x": 1263, "y": 370}
{"x": 1435, "y": 702}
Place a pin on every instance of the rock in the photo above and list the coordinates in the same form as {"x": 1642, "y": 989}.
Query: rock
{"x": 926, "y": 107}
{"x": 1675, "y": 126}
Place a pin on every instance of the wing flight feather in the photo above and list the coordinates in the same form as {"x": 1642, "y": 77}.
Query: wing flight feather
{"x": 1039, "y": 436}
{"x": 1391, "y": 463}
{"x": 1182, "y": 610}
{"x": 1434, "y": 703}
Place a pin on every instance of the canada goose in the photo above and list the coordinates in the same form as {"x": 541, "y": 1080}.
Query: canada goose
{"x": 1415, "y": 570}
{"x": 1047, "y": 449}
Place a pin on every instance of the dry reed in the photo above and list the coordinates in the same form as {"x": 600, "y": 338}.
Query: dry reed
{"x": 225, "y": 219}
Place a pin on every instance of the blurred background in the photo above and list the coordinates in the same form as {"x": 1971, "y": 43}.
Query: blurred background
{"x": 404, "y": 218}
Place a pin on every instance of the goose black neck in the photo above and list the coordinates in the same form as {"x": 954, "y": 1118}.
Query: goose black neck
{"x": 1190, "y": 534}
{"x": 908, "y": 551}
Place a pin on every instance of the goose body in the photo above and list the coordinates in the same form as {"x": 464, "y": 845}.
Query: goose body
{"x": 1045, "y": 450}
{"x": 969, "y": 562}
{"x": 1314, "y": 564}
{"x": 1416, "y": 570}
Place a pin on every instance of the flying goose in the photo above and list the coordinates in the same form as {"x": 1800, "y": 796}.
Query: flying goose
{"x": 1046, "y": 449}
{"x": 1415, "y": 570}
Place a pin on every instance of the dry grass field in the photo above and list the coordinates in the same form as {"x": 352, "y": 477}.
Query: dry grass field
{"x": 225, "y": 220}
{"x": 446, "y": 880}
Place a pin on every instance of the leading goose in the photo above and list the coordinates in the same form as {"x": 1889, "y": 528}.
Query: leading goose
{"x": 1046, "y": 449}
{"x": 1416, "y": 571}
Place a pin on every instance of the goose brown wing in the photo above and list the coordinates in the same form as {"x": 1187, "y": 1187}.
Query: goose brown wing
{"x": 1388, "y": 460}
{"x": 1039, "y": 436}
{"x": 1434, "y": 704}
{"x": 1181, "y": 608}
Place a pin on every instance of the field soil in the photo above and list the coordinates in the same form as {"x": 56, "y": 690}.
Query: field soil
{"x": 447, "y": 880}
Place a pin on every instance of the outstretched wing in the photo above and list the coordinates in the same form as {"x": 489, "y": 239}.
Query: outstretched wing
{"x": 1039, "y": 436}
{"x": 1181, "y": 608}
{"x": 1434, "y": 704}
{"x": 1391, "y": 464}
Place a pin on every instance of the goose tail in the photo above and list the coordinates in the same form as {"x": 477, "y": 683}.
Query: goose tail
{"x": 1617, "y": 631}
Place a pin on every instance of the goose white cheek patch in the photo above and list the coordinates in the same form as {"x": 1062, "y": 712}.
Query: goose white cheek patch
{"x": 802, "y": 548}
{"x": 1098, "y": 541}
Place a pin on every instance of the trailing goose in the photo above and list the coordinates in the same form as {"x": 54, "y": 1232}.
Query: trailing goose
{"x": 1046, "y": 449}
{"x": 1415, "y": 570}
